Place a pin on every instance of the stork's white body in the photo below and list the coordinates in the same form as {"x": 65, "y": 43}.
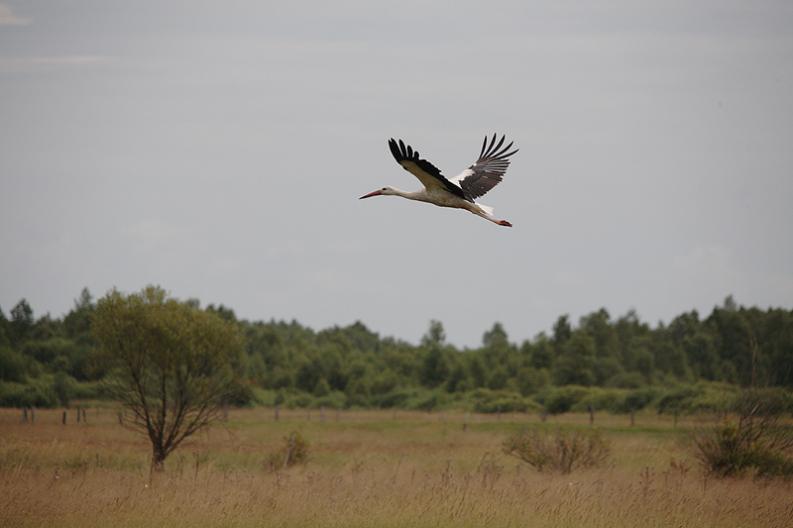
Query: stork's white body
{"x": 458, "y": 192}
{"x": 443, "y": 198}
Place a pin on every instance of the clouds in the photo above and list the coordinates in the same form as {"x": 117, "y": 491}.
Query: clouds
{"x": 220, "y": 151}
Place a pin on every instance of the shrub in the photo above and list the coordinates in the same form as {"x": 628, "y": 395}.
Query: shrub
{"x": 63, "y": 387}
{"x": 638, "y": 399}
{"x": 294, "y": 451}
{"x": 734, "y": 447}
{"x": 88, "y": 390}
{"x": 599, "y": 399}
{"x": 37, "y": 393}
{"x": 240, "y": 394}
{"x": 712, "y": 397}
{"x": 333, "y": 400}
{"x": 558, "y": 400}
{"x": 398, "y": 397}
{"x": 427, "y": 403}
{"x": 562, "y": 451}
{"x": 755, "y": 440}
{"x": 677, "y": 400}
{"x": 487, "y": 401}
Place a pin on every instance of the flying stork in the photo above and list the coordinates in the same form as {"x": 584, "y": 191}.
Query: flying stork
{"x": 460, "y": 191}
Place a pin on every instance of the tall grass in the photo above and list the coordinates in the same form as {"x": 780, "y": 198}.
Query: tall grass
{"x": 367, "y": 469}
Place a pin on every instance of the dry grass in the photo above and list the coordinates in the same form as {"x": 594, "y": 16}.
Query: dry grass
{"x": 367, "y": 469}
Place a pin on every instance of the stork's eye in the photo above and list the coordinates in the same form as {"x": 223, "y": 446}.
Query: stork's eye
{"x": 384, "y": 189}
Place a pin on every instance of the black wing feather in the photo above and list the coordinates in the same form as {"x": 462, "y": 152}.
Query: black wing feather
{"x": 489, "y": 169}
{"x": 406, "y": 156}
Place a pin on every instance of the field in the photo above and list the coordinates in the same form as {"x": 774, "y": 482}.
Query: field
{"x": 378, "y": 468}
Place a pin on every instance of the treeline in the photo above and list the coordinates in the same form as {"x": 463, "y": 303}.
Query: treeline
{"x": 619, "y": 364}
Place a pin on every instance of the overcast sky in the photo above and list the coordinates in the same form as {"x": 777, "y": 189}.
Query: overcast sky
{"x": 218, "y": 149}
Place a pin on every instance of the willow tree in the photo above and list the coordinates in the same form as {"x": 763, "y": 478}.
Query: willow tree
{"x": 172, "y": 365}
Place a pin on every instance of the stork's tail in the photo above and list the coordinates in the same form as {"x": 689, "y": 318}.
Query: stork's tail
{"x": 486, "y": 212}
{"x": 487, "y": 209}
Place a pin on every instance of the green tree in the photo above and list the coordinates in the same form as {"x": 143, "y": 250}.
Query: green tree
{"x": 645, "y": 363}
{"x": 172, "y": 365}
{"x": 21, "y": 321}
{"x": 530, "y": 380}
{"x": 435, "y": 368}
{"x": 496, "y": 338}
{"x": 4, "y": 329}
{"x": 458, "y": 378}
{"x": 562, "y": 331}
{"x": 63, "y": 387}
{"x": 542, "y": 353}
{"x": 734, "y": 339}
{"x": 307, "y": 376}
{"x": 435, "y": 335}
{"x": 77, "y": 322}
{"x": 498, "y": 378}
{"x": 476, "y": 370}
{"x": 12, "y": 365}
{"x": 575, "y": 363}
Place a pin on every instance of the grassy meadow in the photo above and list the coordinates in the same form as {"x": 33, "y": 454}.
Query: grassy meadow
{"x": 365, "y": 468}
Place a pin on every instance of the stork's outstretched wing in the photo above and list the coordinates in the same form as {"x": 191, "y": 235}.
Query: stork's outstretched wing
{"x": 487, "y": 171}
{"x": 427, "y": 173}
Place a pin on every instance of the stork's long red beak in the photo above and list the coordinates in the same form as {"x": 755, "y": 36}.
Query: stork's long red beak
{"x": 373, "y": 193}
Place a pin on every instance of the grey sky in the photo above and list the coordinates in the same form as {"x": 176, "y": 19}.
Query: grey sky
{"x": 218, "y": 149}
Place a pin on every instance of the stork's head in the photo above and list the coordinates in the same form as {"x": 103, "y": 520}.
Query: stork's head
{"x": 385, "y": 191}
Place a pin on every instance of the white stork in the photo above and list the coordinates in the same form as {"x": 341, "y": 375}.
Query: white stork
{"x": 459, "y": 191}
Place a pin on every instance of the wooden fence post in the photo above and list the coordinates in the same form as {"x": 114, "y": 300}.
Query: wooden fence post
{"x": 78, "y": 414}
{"x": 24, "y": 415}
{"x": 64, "y": 418}
{"x": 276, "y": 412}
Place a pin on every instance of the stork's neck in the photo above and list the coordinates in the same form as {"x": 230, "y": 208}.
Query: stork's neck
{"x": 421, "y": 195}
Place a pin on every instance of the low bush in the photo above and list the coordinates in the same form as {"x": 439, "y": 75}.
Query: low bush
{"x": 495, "y": 401}
{"x": 36, "y": 393}
{"x": 638, "y": 399}
{"x": 677, "y": 400}
{"x": 293, "y": 451}
{"x": 712, "y": 397}
{"x": 754, "y": 439}
{"x": 89, "y": 390}
{"x": 398, "y": 398}
{"x": 599, "y": 399}
{"x": 332, "y": 400}
{"x": 558, "y": 400}
{"x": 560, "y": 451}
{"x": 240, "y": 394}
